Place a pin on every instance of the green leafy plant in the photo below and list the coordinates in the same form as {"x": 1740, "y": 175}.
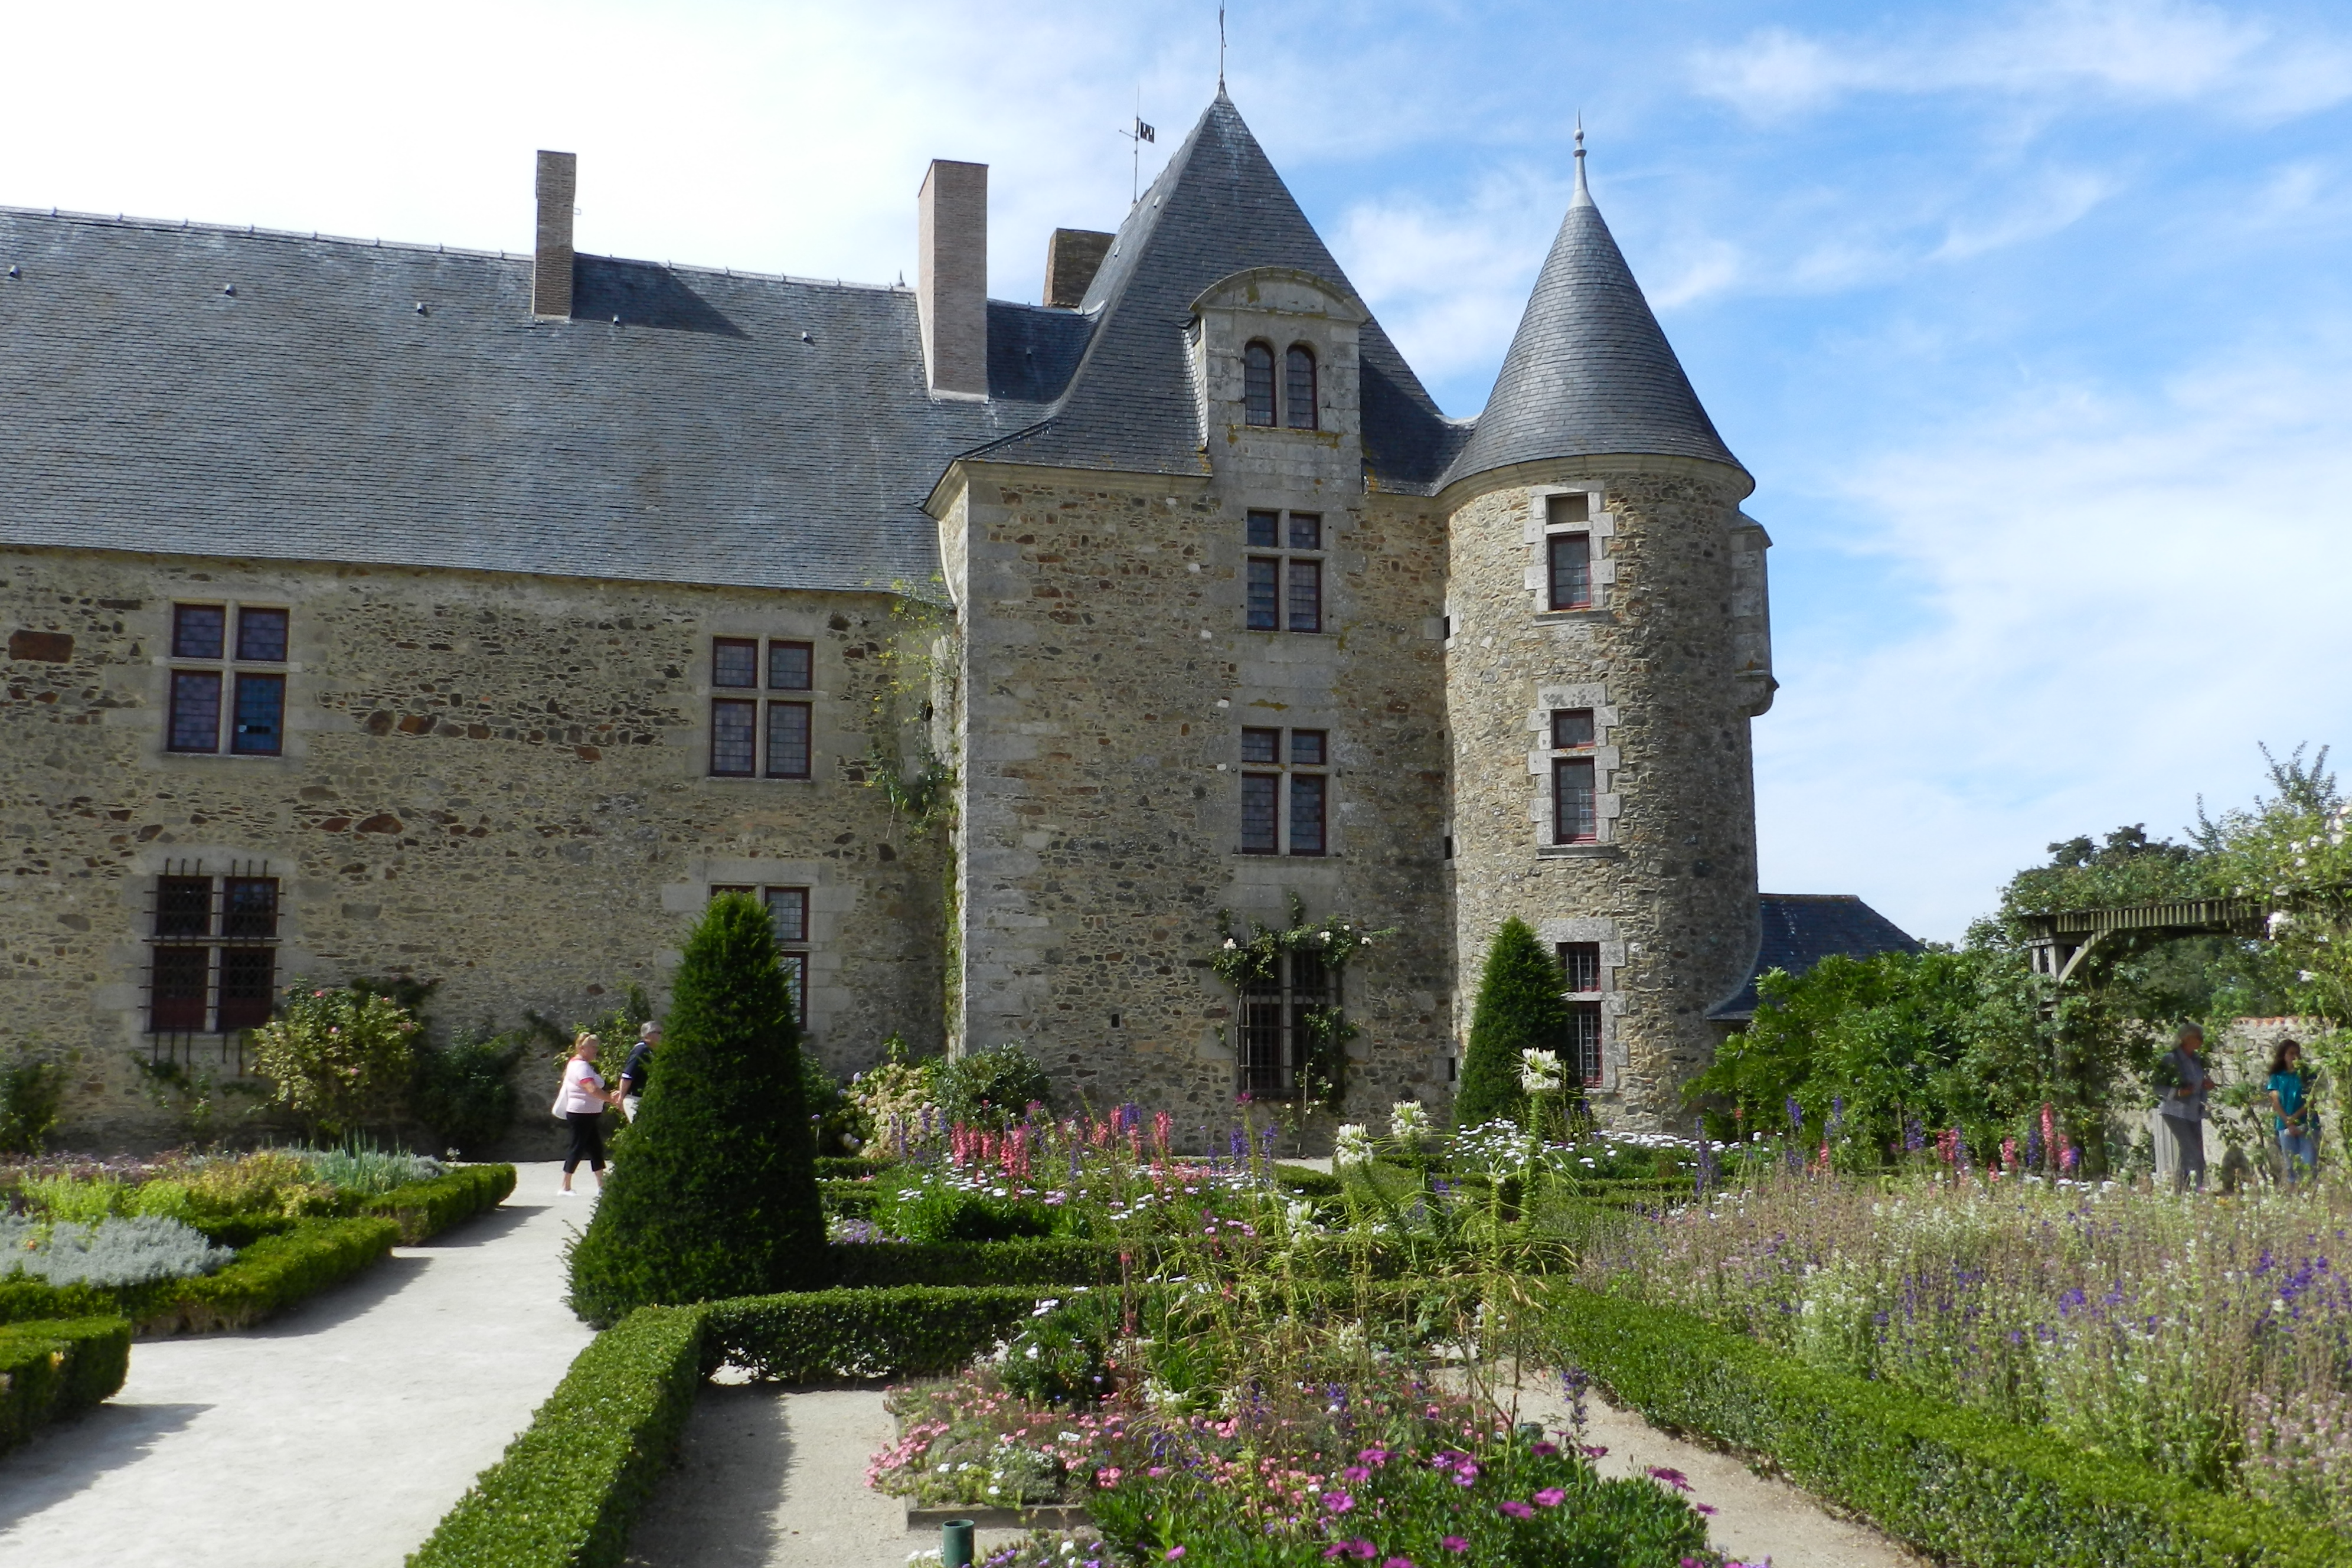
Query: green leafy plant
{"x": 1254, "y": 963}
{"x": 53, "y": 1369}
{"x": 339, "y": 1058}
{"x": 992, "y": 1087}
{"x": 1521, "y": 1007}
{"x": 464, "y": 1091}
{"x": 715, "y": 1193}
{"x": 32, "y": 1096}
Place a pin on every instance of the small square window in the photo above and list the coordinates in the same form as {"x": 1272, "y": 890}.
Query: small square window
{"x": 198, "y": 631}
{"x": 1305, "y": 530}
{"x": 1571, "y": 727}
{"x": 788, "y": 912}
{"x": 1265, "y": 595}
{"x": 195, "y": 710}
{"x": 734, "y": 661}
{"x": 790, "y": 666}
{"x": 1261, "y": 745}
{"x": 260, "y": 715}
{"x": 1575, "y": 507}
{"x": 260, "y": 637}
{"x": 1307, "y": 748}
{"x": 1265, "y": 529}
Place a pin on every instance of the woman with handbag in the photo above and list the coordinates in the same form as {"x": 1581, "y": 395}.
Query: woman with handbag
{"x": 580, "y": 1102}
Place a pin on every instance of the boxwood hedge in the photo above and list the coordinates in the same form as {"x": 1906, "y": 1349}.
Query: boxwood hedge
{"x": 813, "y": 1335}
{"x": 51, "y": 1370}
{"x": 1960, "y": 1485}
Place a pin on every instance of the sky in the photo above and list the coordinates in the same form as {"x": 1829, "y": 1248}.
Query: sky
{"x": 2032, "y": 319}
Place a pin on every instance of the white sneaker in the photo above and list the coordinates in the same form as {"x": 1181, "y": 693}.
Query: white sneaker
{"x": 566, "y": 1193}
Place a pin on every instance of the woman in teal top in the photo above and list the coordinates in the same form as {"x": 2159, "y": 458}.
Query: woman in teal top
{"x": 2297, "y": 1135}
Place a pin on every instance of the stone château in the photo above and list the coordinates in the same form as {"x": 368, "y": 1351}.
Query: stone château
{"x": 382, "y": 609}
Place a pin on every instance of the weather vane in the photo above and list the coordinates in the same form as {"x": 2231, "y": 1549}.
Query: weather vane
{"x": 1137, "y": 134}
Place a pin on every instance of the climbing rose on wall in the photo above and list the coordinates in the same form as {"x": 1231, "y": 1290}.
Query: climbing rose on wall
{"x": 336, "y": 1058}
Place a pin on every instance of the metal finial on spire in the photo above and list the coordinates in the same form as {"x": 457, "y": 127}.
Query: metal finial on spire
{"x": 1221, "y": 50}
{"x": 1583, "y": 196}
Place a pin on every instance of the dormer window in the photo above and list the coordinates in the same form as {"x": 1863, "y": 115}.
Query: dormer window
{"x": 1298, "y": 389}
{"x": 1258, "y": 383}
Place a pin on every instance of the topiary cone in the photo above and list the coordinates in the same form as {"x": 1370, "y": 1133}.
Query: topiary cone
{"x": 714, "y": 1190}
{"x": 1521, "y": 1003}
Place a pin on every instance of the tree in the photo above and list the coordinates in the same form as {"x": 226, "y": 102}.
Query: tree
{"x": 1522, "y": 1004}
{"x": 713, "y": 1189}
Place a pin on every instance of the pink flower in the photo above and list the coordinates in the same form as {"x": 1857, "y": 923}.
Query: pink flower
{"x": 1374, "y": 1456}
{"x": 1173, "y": 1554}
{"x": 1551, "y": 1496}
{"x": 1704, "y": 1509}
{"x": 1454, "y": 1544}
{"x": 1673, "y": 1479}
{"x": 1546, "y": 1449}
{"x": 1108, "y": 1475}
{"x": 1398, "y": 1563}
{"x": 1357, "y": 1473}
{"x": 1517, "y": 1509}
{"x": 1338, "y": 1503}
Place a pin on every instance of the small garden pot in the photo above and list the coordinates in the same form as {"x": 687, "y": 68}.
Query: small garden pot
{"x": 955, "y": 1543}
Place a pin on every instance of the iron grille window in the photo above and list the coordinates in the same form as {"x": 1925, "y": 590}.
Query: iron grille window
{"x": 212, "y": 958}
{"x": 1580, "y": 965}
{"x": 1257, "y": 383}
{"x": 1584, "y": 1040}
{"x": 1570, "y": 566}
{"x": 1277, "y": 1033}
{"x": 1298, "y": 387}
{"x": 1572, "y": 816}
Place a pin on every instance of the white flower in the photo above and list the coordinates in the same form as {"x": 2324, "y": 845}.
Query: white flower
{"x": 1408, "y": 1119}
{"x": 1230, "y": 944}
{"x": 1351, "y": 1146}
{"x": 1539, "y": 1071}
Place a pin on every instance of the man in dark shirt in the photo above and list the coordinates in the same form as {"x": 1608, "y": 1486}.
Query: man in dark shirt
{"x": 638, "y": 1070}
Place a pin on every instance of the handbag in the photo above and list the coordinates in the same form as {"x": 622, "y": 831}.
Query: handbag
{"x": 556, "y": 1110}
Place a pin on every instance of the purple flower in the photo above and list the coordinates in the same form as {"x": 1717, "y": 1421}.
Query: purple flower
{"x": 1672, "y": 1477}
{"x": 1454, "y": 1544}
{"x": 1550, "y": 1497}
{"x": 1338, "y": 1503}
{"x": 1517, "y": 1509}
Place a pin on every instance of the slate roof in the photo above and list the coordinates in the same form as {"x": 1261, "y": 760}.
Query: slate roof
{"x": 1588, "y": 371}
{"x": 1217, "y": 208}
{"x": 1802, "y": 928}
{"x": 315, "y": 415}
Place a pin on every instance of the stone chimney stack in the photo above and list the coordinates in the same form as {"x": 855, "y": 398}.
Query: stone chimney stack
{"x": 1073, "y": 257}
{"x": 551, "y": 271}
{"x": 951, "y": 284}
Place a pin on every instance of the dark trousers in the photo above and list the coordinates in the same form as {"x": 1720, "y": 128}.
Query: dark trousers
{"x": 587, "y": 1141}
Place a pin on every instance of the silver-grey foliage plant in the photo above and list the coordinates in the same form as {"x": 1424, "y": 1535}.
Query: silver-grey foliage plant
{"x": 136, "y": 1250}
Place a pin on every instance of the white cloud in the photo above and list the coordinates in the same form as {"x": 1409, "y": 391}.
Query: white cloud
{"x": 2132, "y": 52}
{"x": 2114, "y": 601}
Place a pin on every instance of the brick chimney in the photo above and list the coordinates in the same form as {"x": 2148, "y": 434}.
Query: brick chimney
{"x": 550, "y": 270}
{"x": 952, "y": 282}
{"x": 1073, "y": 257}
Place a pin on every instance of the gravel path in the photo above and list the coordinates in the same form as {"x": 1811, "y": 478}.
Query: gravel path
{"x": 338, "y": 1433}
{"x": 767, "y": 1479}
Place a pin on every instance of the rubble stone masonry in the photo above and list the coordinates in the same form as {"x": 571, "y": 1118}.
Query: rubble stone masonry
{"x": 498, "y": 783}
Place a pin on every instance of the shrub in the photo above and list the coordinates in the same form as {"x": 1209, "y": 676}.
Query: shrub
{"x": 1519, "y": 1008}
{"x": 273, "y": 1274}
{"x": 1959, "y": 1485}
{"x": 935, "y": 1211}
{"x": 992, "y": 1087}
{"x": 911, "y": 1331}
{"x": 716, "y": 1192}
{"x": 463, "y": 1092}
{"x": 113, "y": 1252}
{"x": 32, "y": 1093}
{"x": 50, "y": 1370}
{"x": 568, "y": 1487}
{"x": 337, "y": 1059}
{"x": 1063, "y": 1356}
{"x": 424, "y": 1209}
{"x": 884, "y": 1263}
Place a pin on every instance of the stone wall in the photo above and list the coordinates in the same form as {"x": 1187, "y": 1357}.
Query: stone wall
{"x": 1669, "y": 889}
{"x": 498, "y": 782}
{"x": 1106, "y": 673}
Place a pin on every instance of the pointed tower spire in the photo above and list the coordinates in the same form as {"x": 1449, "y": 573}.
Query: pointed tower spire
{"x": 1589, "y": 372}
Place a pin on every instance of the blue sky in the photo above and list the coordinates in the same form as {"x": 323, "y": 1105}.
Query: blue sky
{"x": 2032, "y": 320}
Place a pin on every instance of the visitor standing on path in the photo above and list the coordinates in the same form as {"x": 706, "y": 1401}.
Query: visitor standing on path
{"x": 2298, "y": 1139}
{"x": 2185, "y": 1087}
{"x": 637, "y": 1071}
{"x": 582, "y": 1102}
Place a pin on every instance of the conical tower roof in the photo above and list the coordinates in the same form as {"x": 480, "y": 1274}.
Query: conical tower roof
{"x": 1217, "y": 208}
{"x": 1589, "y": 372}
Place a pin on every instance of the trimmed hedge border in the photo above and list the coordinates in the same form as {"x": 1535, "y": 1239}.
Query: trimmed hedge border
{"x": 424, "y": 1209}
{"x": 52, "y": 1370}
{"x": 569, "y": 1486}
{"x": 1957, "y": 1484}
{"x": 1032, "y": 1261}
{"x": 813, "y": 1335}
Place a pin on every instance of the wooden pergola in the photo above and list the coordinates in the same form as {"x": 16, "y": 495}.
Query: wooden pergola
{"x": 2061, "y": 944}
